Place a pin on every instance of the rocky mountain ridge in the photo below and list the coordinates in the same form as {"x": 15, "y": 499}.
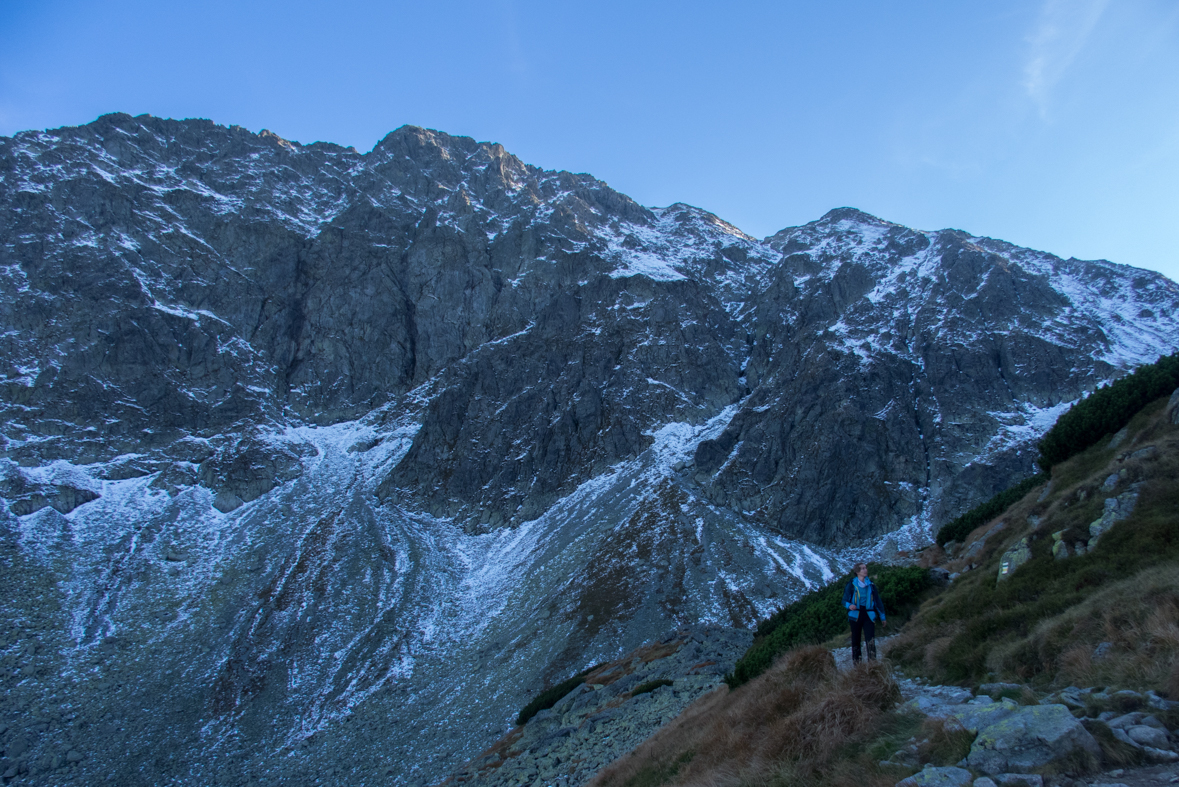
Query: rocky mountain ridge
{"x": 319, "y": 448}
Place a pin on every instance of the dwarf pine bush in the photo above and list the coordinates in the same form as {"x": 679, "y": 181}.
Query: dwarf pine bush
{"x": 550, "y": 697}
{"x": 649, "y": 686}
{"x": 1107, "y": 410}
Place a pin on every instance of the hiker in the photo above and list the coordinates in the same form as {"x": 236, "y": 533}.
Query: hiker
{"x": 863, "y": 608}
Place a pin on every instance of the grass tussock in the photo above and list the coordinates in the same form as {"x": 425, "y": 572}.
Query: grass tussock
{"x": 801, "y": 722}
{"x": 1114, "y": 753}
{"x": 945, "y": 742}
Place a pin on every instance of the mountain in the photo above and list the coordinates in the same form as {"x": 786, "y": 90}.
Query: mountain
{"x": 318, "y": 460}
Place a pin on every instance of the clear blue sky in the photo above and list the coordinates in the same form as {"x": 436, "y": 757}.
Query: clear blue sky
{"x": 1049, "y": 123}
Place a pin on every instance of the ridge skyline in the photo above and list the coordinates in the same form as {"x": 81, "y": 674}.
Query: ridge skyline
{"x": 492, "y": 146}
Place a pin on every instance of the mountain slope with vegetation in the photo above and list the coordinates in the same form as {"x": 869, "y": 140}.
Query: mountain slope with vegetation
{"x": 1080, "y": 589}
{"x": 1074, "y": 582}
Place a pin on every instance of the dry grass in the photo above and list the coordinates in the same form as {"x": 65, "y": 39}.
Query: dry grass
{"x": 799, "y": 723}
{"x": 945, "y": 742}
{"x": 1138, "y": 617}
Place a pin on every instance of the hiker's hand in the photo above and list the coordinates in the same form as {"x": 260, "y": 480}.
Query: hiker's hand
{"x": 884, "y": 623}
{"x": 853, "y": 607}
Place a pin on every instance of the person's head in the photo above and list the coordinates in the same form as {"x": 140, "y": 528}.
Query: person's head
{"x": 860, "y": 570}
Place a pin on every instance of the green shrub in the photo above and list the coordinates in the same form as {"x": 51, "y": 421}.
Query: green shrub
{"x": 649, "y": 686}
{"x": 550, "y": 697}
{"x": 820, "y": 615}
{"x": 960, "y": 528}
{"x": 1107, "y": 410}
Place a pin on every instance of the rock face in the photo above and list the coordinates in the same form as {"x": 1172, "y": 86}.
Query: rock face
{"x": 199, "y": 277}
{"x": 292, "y": 435}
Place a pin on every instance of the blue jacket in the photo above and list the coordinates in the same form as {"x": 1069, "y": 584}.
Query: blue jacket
{"x": 875, "y": 607}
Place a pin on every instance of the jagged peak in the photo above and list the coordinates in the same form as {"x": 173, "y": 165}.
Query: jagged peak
{"x": 683, "y": 209}
{"x": 410, "y": 136}
{"x": 850, "y": 214}
{"x": 269, "y": 136}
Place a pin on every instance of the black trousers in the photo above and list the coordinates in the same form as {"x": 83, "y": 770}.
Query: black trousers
{"x": 862, "y": 624}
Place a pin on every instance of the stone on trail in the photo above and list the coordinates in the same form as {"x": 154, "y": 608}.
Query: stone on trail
{"x": 1160, "y": 756}
{"x": 994, "y": 689}
{"x": 1148, "y": 736}
{"x": 939, "y": 777}
{"x": 1019, "y": 780}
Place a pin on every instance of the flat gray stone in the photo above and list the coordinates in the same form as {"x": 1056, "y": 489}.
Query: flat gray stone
{"x": 1126, "y": 721}
{"x": 1148, "y": 736}
{"x": 992, "y": 689}
{"x": 1015, "y": 739}
{"x": 1019, "y": 780}
{"x": 939, "y": 777}
{"x": 1160, "y": 755}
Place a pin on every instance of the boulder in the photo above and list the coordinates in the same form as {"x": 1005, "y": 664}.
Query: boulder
{"x": 1013, "y": 558}
{"x": 1072, "y": 697}
{"x": 1021, "y": 739}
{"x": 1116, "y": 509}
{"x": 1060, "y": 548}
{"x": 1153, "y": 700}
{"x": 939, "y": 576}
{"x": 1029, "y": 739}
{"x": 976, "y": 548}
{"x": 1148, "y": 736}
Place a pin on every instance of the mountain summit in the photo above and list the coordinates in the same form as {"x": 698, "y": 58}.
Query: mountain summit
{"x": 308, "y": 448}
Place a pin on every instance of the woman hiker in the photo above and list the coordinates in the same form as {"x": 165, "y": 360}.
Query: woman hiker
{"x": 863, "y": 608}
